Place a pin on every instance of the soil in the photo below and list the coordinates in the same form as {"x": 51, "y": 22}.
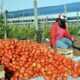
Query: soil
{"x": 77, "y": 44}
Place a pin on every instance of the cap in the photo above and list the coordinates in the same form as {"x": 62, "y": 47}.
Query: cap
{"x": 62, "y": 16}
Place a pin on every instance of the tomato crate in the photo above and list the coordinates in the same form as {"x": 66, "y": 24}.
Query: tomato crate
{"x": 2, "y": 72}
{"x": 66, "y": 52}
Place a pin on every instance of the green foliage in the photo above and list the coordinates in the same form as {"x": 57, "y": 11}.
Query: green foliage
{"x": 45, "y": 31}
{"x": 74, "y": 30}
{"x": 2, "y": 27}
{"x": 28, "y": 31}
{"x": 31, "y": 32}
{"x": 16, "y": 32}
{"x": 21, "y": 32}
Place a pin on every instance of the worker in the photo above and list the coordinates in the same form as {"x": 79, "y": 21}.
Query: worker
{"x": 59, "y": 35}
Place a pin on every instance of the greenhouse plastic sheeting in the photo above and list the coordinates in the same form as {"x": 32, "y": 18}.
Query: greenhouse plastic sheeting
{"x": 42, "y": 78}
{"x": 76, "y": 58}
{"x": 70, "y": 78}
{"x": 37, "y": 78}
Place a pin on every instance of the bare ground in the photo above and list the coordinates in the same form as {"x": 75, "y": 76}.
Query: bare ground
{"x": 77, "y": 43}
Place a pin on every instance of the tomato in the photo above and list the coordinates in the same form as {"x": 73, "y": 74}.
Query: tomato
{"x": 27, "y": 58}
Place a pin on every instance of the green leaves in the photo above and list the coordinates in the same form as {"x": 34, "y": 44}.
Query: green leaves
{"x": 74, "y": 30}
{"x": 2, "y": 27}
{"x": 25, "y": 32}
{"x": 21, "y": 32}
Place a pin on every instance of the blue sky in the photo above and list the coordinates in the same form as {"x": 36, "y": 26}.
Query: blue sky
{"x": 13, "y": 5}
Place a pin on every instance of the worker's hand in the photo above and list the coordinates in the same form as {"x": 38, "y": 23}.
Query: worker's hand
{"x": 73, "y": 39}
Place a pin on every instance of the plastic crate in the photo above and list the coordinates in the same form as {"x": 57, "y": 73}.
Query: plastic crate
{"x": 65, "y": 52}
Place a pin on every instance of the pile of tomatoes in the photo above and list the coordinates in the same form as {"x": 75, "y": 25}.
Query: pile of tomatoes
{"x": 27, "y": 59}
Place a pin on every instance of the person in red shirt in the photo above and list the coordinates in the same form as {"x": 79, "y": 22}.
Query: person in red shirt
{"x": 59, "y": 35}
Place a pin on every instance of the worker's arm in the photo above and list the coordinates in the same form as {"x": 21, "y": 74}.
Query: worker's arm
{"x": 68, "y": 35}
{"x": 53, "y": 33}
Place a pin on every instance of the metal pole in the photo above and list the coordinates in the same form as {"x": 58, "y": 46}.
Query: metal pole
{"x": 38, "y": 35}
{"x": 78, "y": 17}
{"x": 1, "y": 6}
{"x": 5, "y": 20}
{"x": 35, "y": 13}
{"x": 65, "y": 11}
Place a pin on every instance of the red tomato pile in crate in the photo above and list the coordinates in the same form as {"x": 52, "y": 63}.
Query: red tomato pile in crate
{"x": 29, "y": 59}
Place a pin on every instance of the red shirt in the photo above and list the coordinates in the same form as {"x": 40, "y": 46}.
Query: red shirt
{"x": 54, "y": 34}
{"x": 60, "y": 33}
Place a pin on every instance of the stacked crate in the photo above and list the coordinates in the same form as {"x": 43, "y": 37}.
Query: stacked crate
{"x": 66, "y": 52}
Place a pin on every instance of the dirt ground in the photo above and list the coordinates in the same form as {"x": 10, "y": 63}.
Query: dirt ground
{"x": 77, "y": 43}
